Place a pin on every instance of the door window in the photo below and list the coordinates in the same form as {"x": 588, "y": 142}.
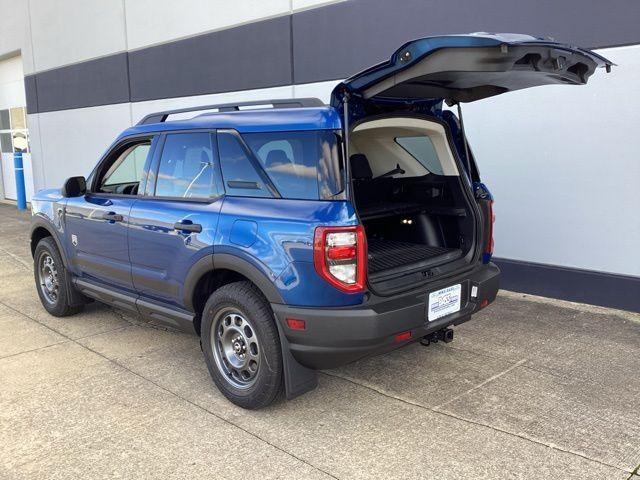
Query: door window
{"x": 240, "y": 175}
{"x": 123, "y": 176}
{"x": 186, "y": 167}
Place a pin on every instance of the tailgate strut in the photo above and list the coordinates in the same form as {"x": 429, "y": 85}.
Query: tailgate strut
{"x": 464, "y": 141}
{"x": 347, "y": 162}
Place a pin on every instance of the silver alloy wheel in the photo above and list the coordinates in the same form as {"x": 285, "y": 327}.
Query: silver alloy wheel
{"x": 48, "y": 278}
{"x": 235, "y": 348}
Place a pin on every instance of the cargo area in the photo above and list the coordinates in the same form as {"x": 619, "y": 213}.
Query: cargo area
{"x": 409, "y": 196}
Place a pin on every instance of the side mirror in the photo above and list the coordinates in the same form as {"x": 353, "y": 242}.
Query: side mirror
{"x": 74, "y": 187}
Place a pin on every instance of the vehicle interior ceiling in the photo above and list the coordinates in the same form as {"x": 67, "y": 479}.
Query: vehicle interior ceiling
{"x": 409, "y": 195}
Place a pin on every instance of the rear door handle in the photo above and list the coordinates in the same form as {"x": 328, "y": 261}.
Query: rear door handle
{"x": 187, "y": 226}
{"x": 112, "y": 217}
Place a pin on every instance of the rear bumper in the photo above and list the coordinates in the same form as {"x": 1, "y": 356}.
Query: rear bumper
{"x": 337, "y": 336}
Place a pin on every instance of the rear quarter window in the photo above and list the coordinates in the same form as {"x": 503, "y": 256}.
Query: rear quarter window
{"x": 302, "y": 165}
{"x": 421, "y": 148}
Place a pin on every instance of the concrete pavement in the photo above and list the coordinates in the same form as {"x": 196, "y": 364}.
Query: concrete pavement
{"x": 530, "y": 388}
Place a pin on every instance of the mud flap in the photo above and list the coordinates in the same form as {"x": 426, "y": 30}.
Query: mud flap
{"x": 75, "y": 297}
{"x": 298, "y": 379}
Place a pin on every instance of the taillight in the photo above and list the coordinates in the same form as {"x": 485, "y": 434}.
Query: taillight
{"x": 488, "y": 241}
{"x": 340, "y": 256}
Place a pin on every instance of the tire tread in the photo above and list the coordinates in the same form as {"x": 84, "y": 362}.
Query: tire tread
{"x": 63, "y": 307}
{"x": 249, "y": 298}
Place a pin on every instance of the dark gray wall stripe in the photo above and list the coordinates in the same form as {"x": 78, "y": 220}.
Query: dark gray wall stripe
{"x": 319, "y": 44}
{"x": 31, "y": 93}
{"x": 256, "y": 55}
{"x": 101, "y": 81}
{"x": 339, "y": 40}
{"x": 585, "y": 286}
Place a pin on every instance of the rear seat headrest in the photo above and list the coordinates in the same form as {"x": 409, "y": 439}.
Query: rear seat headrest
{"x": 275, "y": 158}
{"x": 360, "y": 168}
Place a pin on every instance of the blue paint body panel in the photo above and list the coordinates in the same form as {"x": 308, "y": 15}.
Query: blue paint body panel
{"x": 100, "y": 252}
{"x": 161, "y": 256}
{"x": 283, "y": 245}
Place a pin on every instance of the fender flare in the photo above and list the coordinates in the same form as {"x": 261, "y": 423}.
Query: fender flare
{"x": 216, "y": 261}
{"x": 40, "y": 223}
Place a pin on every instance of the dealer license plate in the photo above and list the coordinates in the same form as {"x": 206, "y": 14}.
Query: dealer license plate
{"x": 444, "y": 302}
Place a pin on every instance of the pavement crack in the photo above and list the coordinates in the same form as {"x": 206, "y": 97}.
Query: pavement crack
{"x": 174, "y": 394}
{"x": 636, "y": 471}
{"x": 16, "y": 258}
{"x": 11, "y": 355}
{"x": 482, "y": 384}
{"x": 504, "y": 359}
{"x": 477, "y": 423}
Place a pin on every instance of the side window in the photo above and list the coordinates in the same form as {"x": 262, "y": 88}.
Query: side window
{"x": 186, "y": 166}
{"x": 124, "y": 174}
{"x": 302, "y": 165}
{"x": 422, "y": 149}
{"x": 240, "y": 176}
{"x": 290, "y": 161}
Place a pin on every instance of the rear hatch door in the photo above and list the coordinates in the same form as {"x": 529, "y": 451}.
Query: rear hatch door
{"x": 465, "y": 68}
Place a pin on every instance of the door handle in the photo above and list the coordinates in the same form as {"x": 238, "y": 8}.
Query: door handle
{"x": 112, "y": 217}
{"x": 187, "y": 226}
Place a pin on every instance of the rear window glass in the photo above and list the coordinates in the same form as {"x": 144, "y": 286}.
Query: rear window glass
{"x": 301, "y": 165}
{"x": 421, "y": 148}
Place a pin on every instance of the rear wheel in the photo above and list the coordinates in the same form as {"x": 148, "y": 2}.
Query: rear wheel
{"x": 52, "y": 281}
{"x": 241, "y": 345}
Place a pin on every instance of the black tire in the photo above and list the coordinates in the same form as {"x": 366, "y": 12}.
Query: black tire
{"x": 58, "y": 305}
{"x": 251, "y": 324}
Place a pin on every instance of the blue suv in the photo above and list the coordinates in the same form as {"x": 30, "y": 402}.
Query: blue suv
{"x": 302, "y": 236}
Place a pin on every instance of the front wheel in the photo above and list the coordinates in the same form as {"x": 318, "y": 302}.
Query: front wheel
{"x": 52, "y": 280}
{"x": 241, "y": 345}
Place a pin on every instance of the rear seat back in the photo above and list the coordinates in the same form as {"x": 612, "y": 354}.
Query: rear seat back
{"x": 370, "y": 194}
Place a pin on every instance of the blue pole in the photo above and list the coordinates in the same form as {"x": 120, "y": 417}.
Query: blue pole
{"x": 19, "y": 174}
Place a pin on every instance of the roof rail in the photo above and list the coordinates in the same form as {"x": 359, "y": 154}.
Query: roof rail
{"x": 160, "y": 117}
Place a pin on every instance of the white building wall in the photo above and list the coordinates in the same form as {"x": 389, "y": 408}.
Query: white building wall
{"x": 69, "y": 31}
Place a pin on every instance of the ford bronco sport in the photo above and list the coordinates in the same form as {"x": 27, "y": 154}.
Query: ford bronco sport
{"x": 302, "y": 236}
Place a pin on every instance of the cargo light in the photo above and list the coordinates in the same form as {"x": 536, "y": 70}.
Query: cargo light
{"x": 340, "y": 257}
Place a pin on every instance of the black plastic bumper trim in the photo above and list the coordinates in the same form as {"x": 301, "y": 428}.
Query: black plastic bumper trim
{"x": 336, "y": 336}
